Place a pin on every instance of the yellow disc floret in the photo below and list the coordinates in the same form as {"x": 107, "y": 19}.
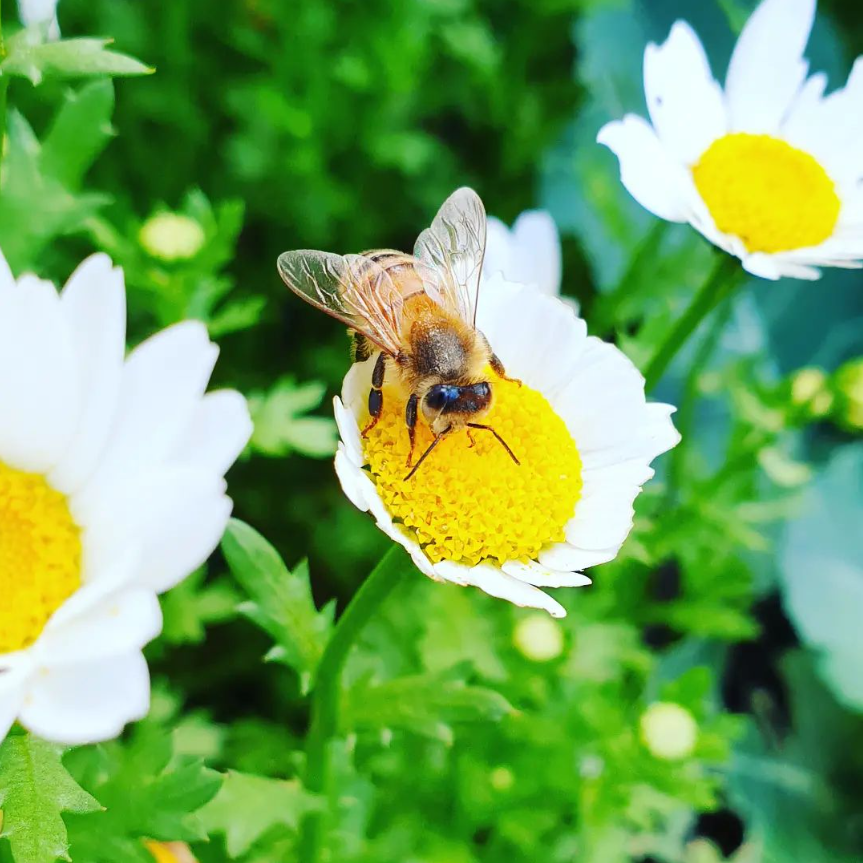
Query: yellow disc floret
{"x": 40, "y": 556}
{"x": 771, "y": 195}
{"x": 469, "y": 502}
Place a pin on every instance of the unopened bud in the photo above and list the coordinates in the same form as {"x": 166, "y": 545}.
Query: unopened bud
{"x": 538, "y": 637}
{"x": 669, "y": 731}
{"x": 171, "y": 237}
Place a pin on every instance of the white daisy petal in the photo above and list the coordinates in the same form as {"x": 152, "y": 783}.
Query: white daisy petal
{"x": 89, "y": 702}
{"x": 117, "y": 625}
{"x": 218, "y": 432}
{"x": 533, "y": 572}
{"x": 39, "y": 388}
{"x": 529, "y": 254}
{"x": 496, "y": 583}
{"x": 12, "y": 684}
{"x": 767, "y": 67}
{"x": 647, "y": 169}
{"x": 686, "y": 103}
{"x": 94, "y": 304}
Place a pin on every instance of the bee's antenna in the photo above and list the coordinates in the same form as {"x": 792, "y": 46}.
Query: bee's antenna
{"x": 502, "y": 442}
{"x": 427, "y": 453}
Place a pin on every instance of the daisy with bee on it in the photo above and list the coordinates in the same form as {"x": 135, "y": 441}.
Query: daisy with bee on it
{"x": 485, "y": 431}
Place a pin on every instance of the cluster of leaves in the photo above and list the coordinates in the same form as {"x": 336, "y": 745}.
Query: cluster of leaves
{"x": 471, "y": 731}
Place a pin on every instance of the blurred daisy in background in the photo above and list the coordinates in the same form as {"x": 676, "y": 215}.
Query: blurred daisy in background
{"x": 40, "y": 12}
{"x": 768, "y": 168}
{"x": 111, "y": 491}
{"x": 528, "y": 253}
{"x": 580, "y": 426}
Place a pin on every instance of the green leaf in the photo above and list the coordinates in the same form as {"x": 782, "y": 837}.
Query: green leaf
{"x": 35, "y": 206}
{"x": 28, "y": 57}
{"x": 80, "y": 132}
{"x": 193, "y": 605}
{"x": 281, "y": 600}
{"x": 822, "y": 574}
{"x": 280, "y": 427}
{"x": 34, "y": 789}
{"x": 147, "y": 789}
{"x": 425, "y": 703}
{"x": 249, "y": 806}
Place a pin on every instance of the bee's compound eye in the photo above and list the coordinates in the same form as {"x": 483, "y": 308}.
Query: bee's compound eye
{"x": 441, "y": 396}
{"x": 483, "y": 390}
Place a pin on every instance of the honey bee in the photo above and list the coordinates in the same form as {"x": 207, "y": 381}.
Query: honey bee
{"x": 418, "y": 314}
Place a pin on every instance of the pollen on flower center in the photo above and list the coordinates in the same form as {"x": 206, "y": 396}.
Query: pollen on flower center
{"x": 472, "y": 503}
{"x": 40, "y": 556}
{"x": 771, "y": 195}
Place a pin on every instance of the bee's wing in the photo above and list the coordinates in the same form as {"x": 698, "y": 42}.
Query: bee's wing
{"x": 453, "y": 248}
{"x": 351, "y": 288}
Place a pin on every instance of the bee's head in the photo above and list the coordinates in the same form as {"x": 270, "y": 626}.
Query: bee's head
{"x": 445, "y": 403}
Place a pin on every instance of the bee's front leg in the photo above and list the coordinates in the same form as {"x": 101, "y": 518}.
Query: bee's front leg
{"x": 411, "y": 423}
{"x": 500, "y": 371}
{"x": 376, "y": 396}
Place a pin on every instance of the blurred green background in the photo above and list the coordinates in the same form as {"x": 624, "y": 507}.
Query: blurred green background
{"x": 739, "y": 596}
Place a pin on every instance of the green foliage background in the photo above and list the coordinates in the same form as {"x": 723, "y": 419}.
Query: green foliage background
{"x": 739, "y": 596}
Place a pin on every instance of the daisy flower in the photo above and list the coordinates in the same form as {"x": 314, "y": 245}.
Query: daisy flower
{"x": 767, "y": 168}
{"x": 584, "y": 435}
{"x": 527, "y": 253}
{"x": 111, "y": 491}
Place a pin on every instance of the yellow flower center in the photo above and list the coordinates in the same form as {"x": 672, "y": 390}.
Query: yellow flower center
{"x": 40, "y": 556}
{"x": 471, "y": 503}
{"x": 771, "y": 195}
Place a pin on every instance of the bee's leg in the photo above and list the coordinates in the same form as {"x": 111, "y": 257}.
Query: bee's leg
{"x": 472, "y": 443}
{"x": 428, "y": 451}
{"x": 500, "y": 440}
{"x": 411, "y": 423}
{"x": 376, "y": 397}
{"x": 500, "y": 371}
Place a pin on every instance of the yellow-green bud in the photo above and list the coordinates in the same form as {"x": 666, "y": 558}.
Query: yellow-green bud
{"x": 669, "y": 731}
{"x": 848, "y": 382}
{"x": 501, "y": 779}
{"x": 538, "y": 637}
{"x": 171, "y": 237}
{"x": 810, "y": 393}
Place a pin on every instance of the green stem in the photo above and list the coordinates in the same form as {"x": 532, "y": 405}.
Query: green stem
{"x": 4, "y": 86}
{"x": 723, "y": 279}
{"x": 685, "y": 418}
{"x": 608, "y": 305}
{"x": 326, "y": 696}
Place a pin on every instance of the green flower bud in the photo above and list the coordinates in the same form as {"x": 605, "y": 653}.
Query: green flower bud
{"x": 848, "y": 383}
{"x": 810, "y": 393}
{"x": 669, "y": 731}
{"x": 538, "y": 637}
{"x": 171, "y": 237}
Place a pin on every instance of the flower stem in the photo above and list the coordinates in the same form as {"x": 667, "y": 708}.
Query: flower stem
{"x": 4, "y": 86}
{"x": 723, "y": 279}
{"x": 326, "y": 695}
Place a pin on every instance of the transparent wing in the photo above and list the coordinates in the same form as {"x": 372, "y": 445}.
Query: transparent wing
{"x": 453, "y": 248}
{"x": 351, "y": 288}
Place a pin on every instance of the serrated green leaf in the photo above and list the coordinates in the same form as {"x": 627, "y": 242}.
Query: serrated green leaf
{"x": 80, "y": 131}
{"x": 35, "y": 206}
{"x": 424, "y": 703}
{"x": 35, "y": 789}
{"x": 147, "y": 790}
{"x": 280, "y": 426}
{"x": 248, "y": 806}
{"x": 281, "y": 600}
{"x": 193, "y": 605}
{"x": 28, "y": 57}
